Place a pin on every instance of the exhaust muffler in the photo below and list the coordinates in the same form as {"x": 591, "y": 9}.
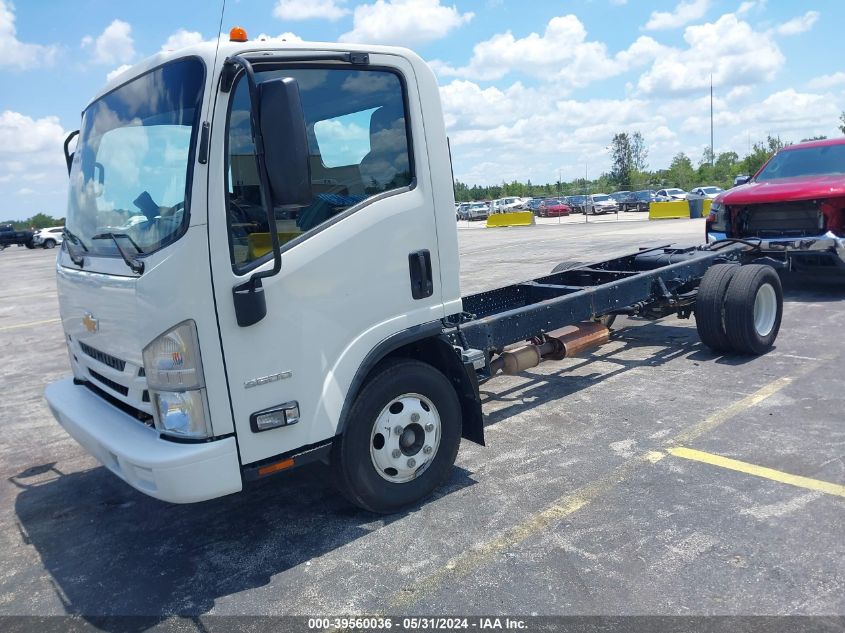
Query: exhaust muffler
{"x": 559, "y": 344}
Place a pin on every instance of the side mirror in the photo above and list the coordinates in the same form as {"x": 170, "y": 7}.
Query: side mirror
{"x": 741, "y": 180}
{"x": 282, "y": 125}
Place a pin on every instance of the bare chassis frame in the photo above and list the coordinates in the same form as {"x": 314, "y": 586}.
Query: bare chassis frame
{"x": 652, "y": 283}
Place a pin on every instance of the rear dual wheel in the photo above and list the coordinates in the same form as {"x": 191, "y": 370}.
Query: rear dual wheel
{"x": 739, "y": 308}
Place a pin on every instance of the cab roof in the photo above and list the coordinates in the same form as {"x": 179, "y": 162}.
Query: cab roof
{"x": 208, "y": 50}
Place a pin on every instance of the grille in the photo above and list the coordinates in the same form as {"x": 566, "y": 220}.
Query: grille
{"x": 111, "y": 384}
{"x": 797, "y": 219}
{"x": 106, "y": 359}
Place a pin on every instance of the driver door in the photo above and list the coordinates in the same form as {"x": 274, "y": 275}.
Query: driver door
{"x": 345, "y": 283}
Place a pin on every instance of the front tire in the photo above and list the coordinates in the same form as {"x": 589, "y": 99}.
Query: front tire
{"x": 402, "y": 437}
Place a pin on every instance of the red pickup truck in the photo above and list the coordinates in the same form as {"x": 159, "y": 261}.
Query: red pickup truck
{"x": 793, "y": 208}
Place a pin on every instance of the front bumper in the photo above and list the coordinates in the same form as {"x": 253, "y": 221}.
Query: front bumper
{"x": 828, "y": 248}
{"x": 170, "y": 471}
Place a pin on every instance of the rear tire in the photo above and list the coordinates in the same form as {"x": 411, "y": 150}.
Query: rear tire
{"x": 381, "y": 470}
{"x": 710, "y": 306}
{"x": 49, "y": 244}
{"x": 753, "y": 309}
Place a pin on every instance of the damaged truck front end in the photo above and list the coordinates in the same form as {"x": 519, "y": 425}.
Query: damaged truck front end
{"x": 793, "y": 210}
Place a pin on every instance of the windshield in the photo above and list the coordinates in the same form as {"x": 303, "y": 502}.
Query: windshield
{"x": 710, "y": 189}
{"x": 131, "y": 170}
{"x": 601, "y": 198}
{"x": 809, "y": 161}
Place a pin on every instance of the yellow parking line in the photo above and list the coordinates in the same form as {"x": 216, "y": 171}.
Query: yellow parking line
{"x": 29, "y": 324}
{"x": 716, "y": 419}
{"x": 537, "y": 523}
{"x": 758, "y": 471}
{"x": 566, "y": 505}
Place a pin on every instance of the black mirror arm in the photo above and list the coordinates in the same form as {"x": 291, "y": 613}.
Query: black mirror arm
{"x": 69, "y": 154}
{"x": 258, "y": 139}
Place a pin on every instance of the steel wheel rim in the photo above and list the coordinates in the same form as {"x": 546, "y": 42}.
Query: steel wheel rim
{"x": 765, "y": 310}
{"x": 405, "y": 438}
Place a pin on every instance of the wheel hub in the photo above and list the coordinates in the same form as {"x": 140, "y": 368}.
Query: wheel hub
{"x": 405, "y": 438}
{"x": 765, "y": 310}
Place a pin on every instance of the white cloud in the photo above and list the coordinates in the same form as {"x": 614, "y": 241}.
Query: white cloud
{"x": 319, "y": 9}
{"x": 181, "y": 39}
{"x": 114, "y": 45}
{"x": 278, "y": 39}
{"x": 797, "y": 25}
{"x": 32, "y": 165}
{"x": 729, "y": 48}
{"x": 578, "y": 63}
{"x": 751, "y": 5}
{"x": 117, "y": 71}
{"x": 823, "y": 82}
{"x": 787, "y": 113}
{"x": 16, "y": 54}
{"x": 403, "y": 22}
{"x": 684, "y": 13}
{"x": 494, "y": 132}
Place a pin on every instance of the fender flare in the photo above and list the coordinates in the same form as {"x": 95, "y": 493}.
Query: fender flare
{"x": 425, "y": 342}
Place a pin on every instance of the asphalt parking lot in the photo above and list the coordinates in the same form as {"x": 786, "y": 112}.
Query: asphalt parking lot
{"x": 607, "y": 485}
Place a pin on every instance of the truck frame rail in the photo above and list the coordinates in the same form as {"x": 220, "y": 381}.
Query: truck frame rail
{"x": 653, "y": 283}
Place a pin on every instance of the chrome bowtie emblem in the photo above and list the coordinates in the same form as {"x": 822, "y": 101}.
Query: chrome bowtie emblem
{"x": 91, "y": 324}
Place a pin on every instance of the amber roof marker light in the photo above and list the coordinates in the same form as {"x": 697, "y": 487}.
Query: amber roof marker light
{"x": 237, "y": 34}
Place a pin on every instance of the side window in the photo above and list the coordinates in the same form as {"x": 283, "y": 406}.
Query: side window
{"x": 358, "y": 145}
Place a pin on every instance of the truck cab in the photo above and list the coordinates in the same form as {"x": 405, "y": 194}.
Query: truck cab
{"x": 220, "y": 324}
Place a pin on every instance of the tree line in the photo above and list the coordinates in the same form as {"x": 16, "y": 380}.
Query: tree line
{"x": 629, "y": 171}
{"x": 37, "y": 221}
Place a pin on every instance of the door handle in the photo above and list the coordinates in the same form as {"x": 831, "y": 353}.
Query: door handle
{"x": 419, "y": 265}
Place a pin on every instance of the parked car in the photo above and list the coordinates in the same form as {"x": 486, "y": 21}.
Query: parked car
{"x": 791, "y": 208}
{"x": 503, "y": 205}
{"x": 49, "y": 238}
{"x": 576, "y": 203}
{"x": 461, "y": 211}
{"x": 478, "y": 211}
{"x": 706, "y": 192}
{"x": 533, "y": 204}
{"x": 642, "y": 199}
{"x": 625, "y": 199}
{"x": 601, "y": 203}
{"x": 9, "y": 236}
{"x": 667, "y": 195}
{"x": 553, "y": 208}
{"x": 741, "y": 180}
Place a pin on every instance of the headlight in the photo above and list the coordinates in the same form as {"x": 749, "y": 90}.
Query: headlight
{"x": 720, "y": 217}
{"x": 181, "y": 413}
{"x": 173, "y": 368}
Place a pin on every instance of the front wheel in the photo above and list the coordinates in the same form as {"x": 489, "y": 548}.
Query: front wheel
{"x": 402, "y": 437}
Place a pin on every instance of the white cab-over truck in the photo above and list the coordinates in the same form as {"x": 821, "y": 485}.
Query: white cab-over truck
{"x": 260, "y": 270}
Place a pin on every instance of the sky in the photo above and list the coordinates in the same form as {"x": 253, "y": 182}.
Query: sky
{"x": 531, "y": 89}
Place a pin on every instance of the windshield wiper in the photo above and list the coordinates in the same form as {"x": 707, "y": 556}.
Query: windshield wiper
{"x": 136, "y": 265}
{"x": 75, "y": 255}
